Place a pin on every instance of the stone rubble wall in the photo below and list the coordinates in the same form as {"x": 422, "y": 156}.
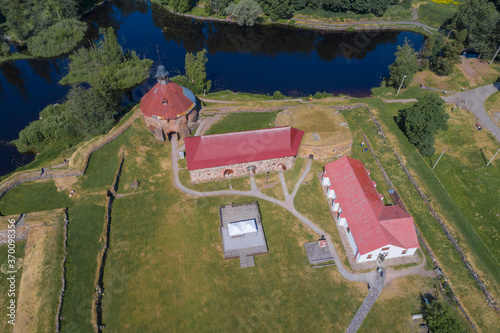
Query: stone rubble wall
{"x": 239, "y": 170}
{"x": 325, "y": 152}
{"x": 180, "y": 125}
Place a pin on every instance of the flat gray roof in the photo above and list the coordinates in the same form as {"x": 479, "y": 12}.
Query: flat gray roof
{"x": 248, "y": 244}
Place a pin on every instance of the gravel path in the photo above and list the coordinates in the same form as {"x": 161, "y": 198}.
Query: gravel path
{"x": 375, "y": 290}
{"x": 373, "y": 278}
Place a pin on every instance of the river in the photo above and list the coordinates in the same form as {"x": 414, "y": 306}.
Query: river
{"x": 261, "y": 59}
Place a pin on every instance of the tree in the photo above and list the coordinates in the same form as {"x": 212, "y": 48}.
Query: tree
{"x": 480, "y": 18}
{"x": 196, "y": 72}
{"x": 406, "y": 64}
{"x": 422, "y": 121}
{"x": 57, "y": 39}
{"x": 181, "y": 6}
{"x": 26, "y": 18}
{"x": 439, "y": 318}
{"x": 106, "y": 66}
{"x": 245, "y": 12}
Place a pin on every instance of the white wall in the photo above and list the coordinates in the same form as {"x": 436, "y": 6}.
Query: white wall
{"x": 350, "y": 239}
{"x": 393, "y": 252}
{"x": 326, "y": 181}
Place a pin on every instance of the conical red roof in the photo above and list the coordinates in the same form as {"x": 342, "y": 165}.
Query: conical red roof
{"x": 168, "y": 101}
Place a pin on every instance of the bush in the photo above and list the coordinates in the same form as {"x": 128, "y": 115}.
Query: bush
{"x": 278, "y": 95}
{"x": 57, "y": 39}
{"x": 324, "y": 94}
{"x": 4, "y": 49}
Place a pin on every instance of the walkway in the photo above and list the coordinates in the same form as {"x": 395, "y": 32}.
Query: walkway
{"x": 287, "y": 204}
{"x": 375, "y": 290}
{"x": 400, "y": 24}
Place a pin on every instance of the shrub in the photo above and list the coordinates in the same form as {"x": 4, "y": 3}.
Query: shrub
{"x": 57, "y": 39}
{"x": 278, "y": 95}
{"x": 4, "y": 49}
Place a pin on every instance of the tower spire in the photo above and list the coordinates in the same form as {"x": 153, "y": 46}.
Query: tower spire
{"x": 162, "y": 75}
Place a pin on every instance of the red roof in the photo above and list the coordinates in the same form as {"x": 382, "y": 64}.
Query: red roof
{"x": 373, "y": 225}
{"x": 215, "y": 150}
{"x": 169, "y": 101}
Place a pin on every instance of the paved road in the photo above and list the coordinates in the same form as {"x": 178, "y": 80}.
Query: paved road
{"x": 473, "y": 100}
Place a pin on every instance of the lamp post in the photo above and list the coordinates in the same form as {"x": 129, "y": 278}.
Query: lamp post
{"x": 404, "y": 77}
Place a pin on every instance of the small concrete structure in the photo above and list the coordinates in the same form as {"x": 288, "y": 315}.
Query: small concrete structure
{"x": 242, "y": 232}
{"x": 317, "y": 253}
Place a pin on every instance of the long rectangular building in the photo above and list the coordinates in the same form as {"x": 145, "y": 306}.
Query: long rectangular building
{"x": 372, "y": 228}
{"x": 219, "y": 156}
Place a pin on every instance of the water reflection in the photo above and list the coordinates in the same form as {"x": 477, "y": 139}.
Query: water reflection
{"x": 261, "y": 59}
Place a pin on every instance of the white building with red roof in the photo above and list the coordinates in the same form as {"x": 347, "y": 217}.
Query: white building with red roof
{"x": 219, "y": 156}
{"x": 372, "y": 228}
{"x": 169, "y": 107}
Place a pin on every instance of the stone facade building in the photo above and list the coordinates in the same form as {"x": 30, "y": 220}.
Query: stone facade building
{"x": 221, "y": 156}
{"x": 169, "y": 108}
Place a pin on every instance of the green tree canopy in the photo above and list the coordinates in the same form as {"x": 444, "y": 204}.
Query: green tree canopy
{"x": 245, "y": 12}
{"x": 57, "y": 39}
{"x": 196, "y": 72}
{"x": 26, "y": 18}
{"x": 480, "y": 18}
{"x": 438, "y": 317}
{"x": 107, "y": 66}
{"x": 421, "y": 122}
{"x": 406, "y": 64}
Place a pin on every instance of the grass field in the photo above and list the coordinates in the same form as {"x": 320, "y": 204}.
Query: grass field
{"x": 33, "y": 197}
{"x": 41, "y": 280}
{"x": 460, "y": 279}
{"x": 165, "y": 269}
{"x": 401, "y": 298}
{"x": 235, "y": 122}
{"x": 492, "y": 106}
{"x": 437, "y": 12}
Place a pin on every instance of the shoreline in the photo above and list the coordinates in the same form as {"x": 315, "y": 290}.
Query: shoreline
{"x": 354, "y": 26}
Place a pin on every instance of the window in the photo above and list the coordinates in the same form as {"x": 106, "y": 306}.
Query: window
{"x": 369, "y": 256}
{"x": 404, "y": 252}
{"x": 385, "y": 249}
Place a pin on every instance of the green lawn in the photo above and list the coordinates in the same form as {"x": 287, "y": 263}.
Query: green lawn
{"x": 460, "y": 279}
{"x": 165, "y": 269}
{"x": 392, "y": 12}
{"x": 435, "y": 13}
{"x": 245, "y": 121}
{"x": 402, "y": 299}
{"x": 33, "y": 197}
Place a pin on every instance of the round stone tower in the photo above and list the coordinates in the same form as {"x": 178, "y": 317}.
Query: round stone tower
{"x": 169, "y": 108}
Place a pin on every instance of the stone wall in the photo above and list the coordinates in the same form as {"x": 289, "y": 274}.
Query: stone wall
{"x": 239, "y": 170}
{"x": 325, "y": 152}
{"x": 179, "y": 125}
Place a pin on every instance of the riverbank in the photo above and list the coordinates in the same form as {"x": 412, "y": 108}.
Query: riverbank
{"x": 317, "y": 24}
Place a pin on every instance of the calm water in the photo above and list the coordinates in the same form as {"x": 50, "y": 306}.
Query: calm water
{"x": 259, "y": 59}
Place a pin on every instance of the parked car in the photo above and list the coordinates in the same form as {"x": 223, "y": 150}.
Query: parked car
{"x": 478, "y": 127}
